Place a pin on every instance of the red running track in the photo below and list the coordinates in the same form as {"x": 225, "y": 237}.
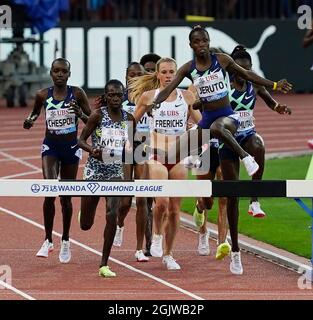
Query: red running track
{"x": 21, "y": 236}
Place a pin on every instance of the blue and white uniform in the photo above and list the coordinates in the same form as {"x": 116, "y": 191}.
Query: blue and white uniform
{"x": 211, "y": 85}
{"x": 61, "y": 122}
{"x": 143, "y": 124}
{"x": 243, "y": 103}
{"x": 111, "y": 137}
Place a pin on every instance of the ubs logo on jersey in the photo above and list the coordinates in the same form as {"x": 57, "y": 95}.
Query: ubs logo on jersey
{"x": 244, "y": 114}
{"x": 169, "y": 113}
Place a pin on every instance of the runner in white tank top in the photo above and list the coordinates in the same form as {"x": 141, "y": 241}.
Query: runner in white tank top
{"x": 169, "y": 121}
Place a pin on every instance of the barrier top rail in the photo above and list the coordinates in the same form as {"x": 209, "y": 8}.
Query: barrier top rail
{"x": 157, "y": 188}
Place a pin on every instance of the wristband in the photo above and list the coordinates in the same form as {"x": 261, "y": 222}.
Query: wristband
{"x": 277, "y": 104}
{"x": 275, "y": 86}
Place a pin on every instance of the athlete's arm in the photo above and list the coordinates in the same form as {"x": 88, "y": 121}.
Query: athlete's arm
{"x": 92, "y": 123}
{"x": 182, "y": 72}
{"x": 270, "y": 102}
{"x": 81, "y": 108}
{"x": 40, "y": 98}
{"x": 190, "y": 98}
{"x": 231, "y": 66}
{"x": 142, "y": 105}
{"x": 308, "y": 38}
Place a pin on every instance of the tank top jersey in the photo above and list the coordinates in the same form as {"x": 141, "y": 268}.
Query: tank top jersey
{"x": 211, "y": 84}
{"x": 171, "y": 117}
{"x": 111, "y": 136}
{"x": 243, "y": 103}
{"x": 143, "y": 123}
{"x": 59, "y": 119}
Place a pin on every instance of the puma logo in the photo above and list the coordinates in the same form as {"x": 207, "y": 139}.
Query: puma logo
{"x": 223, "y": 41}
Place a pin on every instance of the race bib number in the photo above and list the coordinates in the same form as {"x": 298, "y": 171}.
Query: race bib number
{"x": 246, "y": 120}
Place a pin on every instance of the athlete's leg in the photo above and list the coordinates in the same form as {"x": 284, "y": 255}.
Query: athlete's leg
{"x": 255, "y": 146}
{"x": 142, "y": 210}
{"x": 222, "y": 225}
{"x": 67, "y": 171}
{"x": 230, "y": 171}
{"x": 179, "y": 172}
{"x": 50, "y": 170}
{"x": 158, "y": 172}
{"x": 149, "y": 225}
{"x": 112, "y": 207}
{"x": 223, "y": 129}
{"x": 88, "y": 208}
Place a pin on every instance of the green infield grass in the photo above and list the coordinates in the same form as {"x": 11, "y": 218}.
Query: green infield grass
{"x": 286, "y": 225}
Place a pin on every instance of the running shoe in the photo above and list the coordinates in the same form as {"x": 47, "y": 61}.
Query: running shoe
{"x": 198, "y": 217}
{"x": 191, "y": 162}
{"x": 255, "y": 210}
{"x": 45, "y": 249}
{"x": 222, "y": 250}
{"x": 106, "y": 272}
{"x": 170, "y": 263}
{"x": 65, "y": 252}
{"x": 250, "y": 164}
{"x": 235, "y": 263}
{"x": 156, "y": 248}
{"x": 310, "y": 143}
{"x": 118, "y": 239}
{"x": 140, "y": 257}
{"x": 203, "y": 245}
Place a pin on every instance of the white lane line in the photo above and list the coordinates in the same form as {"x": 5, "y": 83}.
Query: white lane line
{"x": 25, "y": 163}
{"x": 19, "y": 133}
{"x": 21, "y": 158}
{"x": 21, "y": 174}
{"x": 20, "y": 140}
{"x": 148, "y": 275}
{"x": 21, "y": 293}
{"x": 20, "y": 148}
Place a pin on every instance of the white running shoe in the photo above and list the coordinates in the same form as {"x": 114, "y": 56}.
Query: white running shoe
{"x": 170, "y": 263}
{"x": 203, "y": 245}
{"x": 156, "y": 248}
{"x": 45, "y": 249}
{"x": 192, "y": 162}
{"x": 140, "y": 256}
{"x": 235, "y": 263}
{"x": 250, "y": 164}
{"x": 255, "y": 210}
{"x": 65, "y": 252}
{"x": 118, "y": 239}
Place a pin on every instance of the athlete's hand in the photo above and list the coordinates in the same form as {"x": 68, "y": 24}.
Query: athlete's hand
{"x": 75, "y": 108}
{"x": 197, "y": 105}
{"x": 283, "y": 86}
{"x": 28, "y": 123}
{"x": 282, "y": 109}
{"x": 96, "y": 153}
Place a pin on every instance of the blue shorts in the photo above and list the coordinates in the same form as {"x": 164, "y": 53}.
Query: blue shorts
{"x": 241, "y": 137}
{"x": 67, "y": 152}
{"x": 208, "y": 117}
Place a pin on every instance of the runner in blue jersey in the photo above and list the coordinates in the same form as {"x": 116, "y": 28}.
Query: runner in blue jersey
{"x": 207, "y": 71}
{"x": 243, "y": 96}
{"x": 110, "y": 128}
{"x": 64, "y": 105}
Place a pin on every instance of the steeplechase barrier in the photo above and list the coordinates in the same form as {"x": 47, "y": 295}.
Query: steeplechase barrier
{"x": 163, "y": 188}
